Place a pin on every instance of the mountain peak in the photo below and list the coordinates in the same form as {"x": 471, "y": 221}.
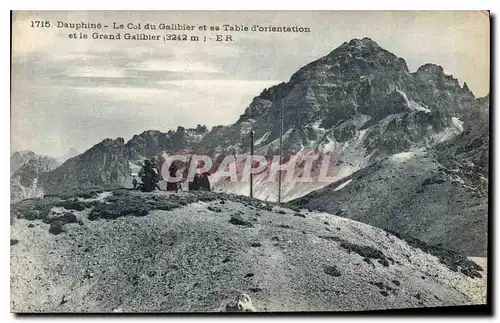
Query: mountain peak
{"x": 430, "y": 68}
{"x": 363, "y": 42}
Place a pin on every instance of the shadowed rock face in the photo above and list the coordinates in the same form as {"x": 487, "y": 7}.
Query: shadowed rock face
{"x": 187, "y": 253}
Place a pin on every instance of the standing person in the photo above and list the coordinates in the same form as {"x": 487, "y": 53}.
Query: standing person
{"x": 149, "y": 177}
{"x": 172, "y": 183}
{"x": 205, "y": 182}
{"x": 134, "y": 183}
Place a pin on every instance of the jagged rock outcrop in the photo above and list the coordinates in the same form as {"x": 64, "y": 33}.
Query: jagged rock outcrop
{"x": 26, "y": 167}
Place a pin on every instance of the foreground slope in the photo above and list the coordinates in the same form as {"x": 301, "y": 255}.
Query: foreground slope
{"x": 130, "y": 251}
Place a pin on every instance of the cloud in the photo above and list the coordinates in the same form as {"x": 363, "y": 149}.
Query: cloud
{"x": 176, "y": 66}
{"x": 81, "y": 91}
{"x": 91, "y": 71}
{"x": 217, "y": 87}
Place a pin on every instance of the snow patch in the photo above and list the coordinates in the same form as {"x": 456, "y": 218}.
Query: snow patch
{"x": 402, "y": 156}
{"x": 341, "y": 186}
{"x": 457, "y": 123}
{"x": 317, "y": 125}
{"x": 412, "y": 104}
{"x": 262, "y": 139}
{"x": 330, "y": 146}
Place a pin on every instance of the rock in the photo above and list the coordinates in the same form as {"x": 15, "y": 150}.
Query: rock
{"x": 13, "y": 242}
{"x": 299, "y": 215}
{"x": 88, "y": 195}
{"x": 378, "y": 284}
{"x": 68, "y": 217}
{"x": 249, "y": 275}
{"x": 242, "y": 303}
{"x": 256, "y": 244}
{"x": 56, "y": 227}
{"x": 266, "y": 207}
{"x": 238, "y": 220}
{"x": 89, "y": 273}
{"x": 127, "y": 205}
{"x": 32, "y": 215}
{"x": 383, "y": 262}
{"x": 214, "y": 209}
{"x": 73, "y": 204}
{"x": 366, "y": 252}
{"x": 64, "y": 300}
{"x": 332, "y": 271}
{"x": 396, "y": 282}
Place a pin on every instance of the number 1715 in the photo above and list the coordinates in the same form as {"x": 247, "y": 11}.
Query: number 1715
{"x": 38, "y": 23}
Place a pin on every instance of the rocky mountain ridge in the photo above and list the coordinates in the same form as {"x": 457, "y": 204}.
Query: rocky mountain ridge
{"x": 439, "y": 195}
{"x": 358, "y": 104}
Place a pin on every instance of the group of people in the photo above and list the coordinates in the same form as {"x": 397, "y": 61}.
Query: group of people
{"x": 150, "y": 176}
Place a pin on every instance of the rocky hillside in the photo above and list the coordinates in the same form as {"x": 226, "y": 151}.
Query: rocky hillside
{"x": 411, "y": 193}
{"x": 439, "y": 195}
{"x": 358, "y": 104}
{"x": 26, "y": 167}
{"x": 126, "y": 251}
{"x": 111, "y": 162}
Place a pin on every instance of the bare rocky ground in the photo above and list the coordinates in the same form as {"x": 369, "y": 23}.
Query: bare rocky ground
{"x": 126, "y": 251}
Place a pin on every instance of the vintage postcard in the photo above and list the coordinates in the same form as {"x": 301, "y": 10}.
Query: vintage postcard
{"x": 249, "y": 161}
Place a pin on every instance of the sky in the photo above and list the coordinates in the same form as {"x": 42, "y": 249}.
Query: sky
{"x": 73, "y": 93}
